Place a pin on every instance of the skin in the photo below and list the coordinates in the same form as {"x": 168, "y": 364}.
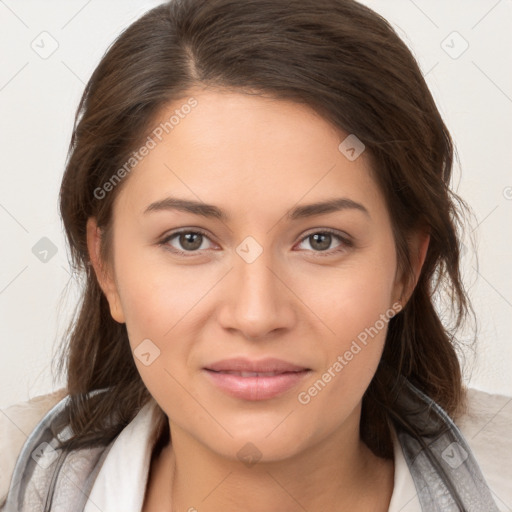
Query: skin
{"x": 256, "y": 158}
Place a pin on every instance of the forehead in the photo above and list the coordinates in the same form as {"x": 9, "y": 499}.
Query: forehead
{"x": 247, "y": 152}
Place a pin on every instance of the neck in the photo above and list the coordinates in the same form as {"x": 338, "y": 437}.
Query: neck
{"x": 340, "y": 473}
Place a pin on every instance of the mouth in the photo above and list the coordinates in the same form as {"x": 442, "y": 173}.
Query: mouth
{"x": 255, "y": 380}
{"x": 269, "y": 365}
{"x": 252, "y": 374}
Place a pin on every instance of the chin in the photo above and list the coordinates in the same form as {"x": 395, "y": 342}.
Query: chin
{"x": 258, "y": 439}
{"x": 251, "y": 450}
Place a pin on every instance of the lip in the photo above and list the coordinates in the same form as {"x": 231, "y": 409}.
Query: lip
{"x": 241, "y": 364}
{"x": 236, "y": 377}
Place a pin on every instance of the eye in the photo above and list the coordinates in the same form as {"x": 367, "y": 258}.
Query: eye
{"x": 188, "y": 242}
{"x": 321, "y": 241}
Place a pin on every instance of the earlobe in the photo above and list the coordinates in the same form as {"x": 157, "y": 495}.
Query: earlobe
{"x": 103, "y": 275}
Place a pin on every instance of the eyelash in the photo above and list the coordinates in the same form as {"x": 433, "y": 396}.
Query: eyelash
{"x": 345, "y": 242}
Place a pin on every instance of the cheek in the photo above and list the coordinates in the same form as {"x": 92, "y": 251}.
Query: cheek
{"x": 351, "y": 359}
{"x": 156, "y": 294}
{"x": 356, "y": 306}
{"x": 161, "y": 301}
{"x": 351, "y": 298}
{"x": 155, "y": 300}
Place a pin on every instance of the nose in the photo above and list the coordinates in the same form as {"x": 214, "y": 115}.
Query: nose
{"x": 259, "y": 302}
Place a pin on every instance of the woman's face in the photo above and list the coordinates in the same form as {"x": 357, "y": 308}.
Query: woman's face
{"x": 257, "y": 273}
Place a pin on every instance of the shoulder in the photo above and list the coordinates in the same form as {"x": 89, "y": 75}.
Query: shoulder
{"x": 16, "y": 423}
{"x": 486, "y": 427}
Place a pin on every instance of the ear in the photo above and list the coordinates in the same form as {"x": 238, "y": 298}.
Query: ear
{"x": 418, "y": 243}
{"x": 104, "y": 275}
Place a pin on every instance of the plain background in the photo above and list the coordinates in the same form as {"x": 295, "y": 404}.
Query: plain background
{"x": 462, "y": 48}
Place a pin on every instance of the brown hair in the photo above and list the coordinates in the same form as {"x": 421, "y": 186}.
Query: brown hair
{"x": 348, "y": 64}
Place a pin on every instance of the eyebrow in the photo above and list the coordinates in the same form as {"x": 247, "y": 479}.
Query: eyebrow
{"x": 212, "y": 211}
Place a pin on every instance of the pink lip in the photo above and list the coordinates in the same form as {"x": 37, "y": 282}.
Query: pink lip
{"x": 258, "y": 387}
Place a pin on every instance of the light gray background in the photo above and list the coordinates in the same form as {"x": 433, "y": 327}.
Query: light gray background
{"x": 39, "y": 96}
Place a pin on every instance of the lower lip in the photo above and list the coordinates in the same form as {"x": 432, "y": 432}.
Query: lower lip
{"x": 256, "y": 388}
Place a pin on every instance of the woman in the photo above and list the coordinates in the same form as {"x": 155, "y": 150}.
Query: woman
{"x": 258, "y": 194}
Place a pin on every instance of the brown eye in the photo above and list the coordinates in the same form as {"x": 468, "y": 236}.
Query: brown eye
{"x": 183, "y": 242}
{"x": 322, "y": 241}
{"x": 190, "y": 241}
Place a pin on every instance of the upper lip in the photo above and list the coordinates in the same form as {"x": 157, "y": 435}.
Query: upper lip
{"x": 240, "y": 364}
